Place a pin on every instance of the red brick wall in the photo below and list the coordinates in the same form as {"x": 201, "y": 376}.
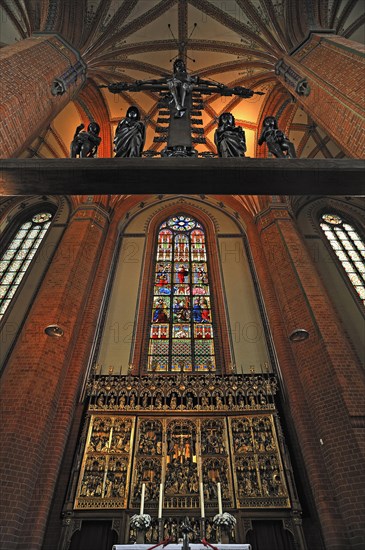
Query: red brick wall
{"x": 325, "y": 386}
{"x": 335, "y": 70}
{"x": 28, "y": 69}
{"x": 87, "y": 331}
{"x": 53, "y": 533}
{"x": 41, "y": 383}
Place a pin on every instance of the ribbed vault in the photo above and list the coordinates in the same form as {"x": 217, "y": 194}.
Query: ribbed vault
{"x": 236, "y": 42}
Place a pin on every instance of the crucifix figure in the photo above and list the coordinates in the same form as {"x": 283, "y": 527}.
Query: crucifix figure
{"x": 186, "y": 528}
{"x": 177, "y": 91}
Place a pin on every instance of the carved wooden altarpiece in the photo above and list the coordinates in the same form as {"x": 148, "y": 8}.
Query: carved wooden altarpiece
{"x": 181, "y": 431}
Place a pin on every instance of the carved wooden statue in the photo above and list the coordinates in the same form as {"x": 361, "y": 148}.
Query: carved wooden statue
{"x": 130, "y": 135}
{"x": 85, "y": 143}
{"x": 277, "y": 142}
{"x": 178, "y": 90}
{"x": 229, "y": 138}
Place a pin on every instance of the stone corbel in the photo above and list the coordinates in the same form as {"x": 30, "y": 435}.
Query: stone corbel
{"x": 61, "y": 84}
{"x": 76, "y": 70}
{"x": 290, "y": 76}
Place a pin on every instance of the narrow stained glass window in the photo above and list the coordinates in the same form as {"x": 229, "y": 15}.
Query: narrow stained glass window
{"x": 16, "y": 259}
{"x": 349, "y": 249}
{"x": 181, "y": 332}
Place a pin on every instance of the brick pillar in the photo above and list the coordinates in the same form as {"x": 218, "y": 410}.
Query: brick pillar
{"x": 53, "y": 532}
{"x": 324, "y": 383}
{"x": 42, "y": 380}
{"x": 28, "y": 70}
{"x": 334, "y": 69}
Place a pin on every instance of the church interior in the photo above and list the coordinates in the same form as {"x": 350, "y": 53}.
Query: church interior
{"x": 174, "y": 348}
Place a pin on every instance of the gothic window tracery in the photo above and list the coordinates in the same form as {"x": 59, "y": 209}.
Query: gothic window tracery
{"x": 16, "y": 259}
{"x": 349, "y": 248}
{"x": 181, "y": 331}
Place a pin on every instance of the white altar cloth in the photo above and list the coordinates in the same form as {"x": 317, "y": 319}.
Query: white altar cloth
{"x": 179, "y": 546}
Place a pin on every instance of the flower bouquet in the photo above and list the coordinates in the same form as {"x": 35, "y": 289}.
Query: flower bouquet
{"x": 224, "y": 523}
{"x": 225, "y": 520}
{"x": 140, "y": 522}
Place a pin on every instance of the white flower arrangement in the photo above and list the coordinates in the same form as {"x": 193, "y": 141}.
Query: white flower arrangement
{"x": 224, "y": 520}
{"x": 141, "y": 522}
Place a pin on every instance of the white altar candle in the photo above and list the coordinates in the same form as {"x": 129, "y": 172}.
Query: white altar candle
{"x": 220, "y": 507}
{"x": 142, "y": 498}
{"x": 160, "y": 502}
{"x": 202, "y": 500}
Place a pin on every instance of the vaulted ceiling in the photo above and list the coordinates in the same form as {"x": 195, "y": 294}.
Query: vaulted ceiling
{"x": 236, "y": 42}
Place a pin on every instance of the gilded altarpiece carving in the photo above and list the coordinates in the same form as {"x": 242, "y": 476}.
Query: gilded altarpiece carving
{"x": 105, "y": 471}
{"x": 171, "y": 527}
{"x": 181, "y": 475}
{"x": 148, "y": 462}
{"x": 259, "y": 476}
{"x": 215, "y": 462}
{"x": 189, "y": 429}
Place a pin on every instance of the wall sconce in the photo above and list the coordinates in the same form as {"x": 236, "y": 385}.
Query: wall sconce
{"x": 54, "y": 331}
{"x": 299, "y": 335}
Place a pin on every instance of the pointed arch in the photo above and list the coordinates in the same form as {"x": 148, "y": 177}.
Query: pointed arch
{"x": 348, "y": 247}
{"x": 144, "y": 354}
{"x": 181, "y": 331}
{"x": 35, "y": 255}
{"x": 346, "y": 299}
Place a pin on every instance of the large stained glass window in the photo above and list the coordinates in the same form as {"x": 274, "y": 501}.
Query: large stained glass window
{"x": 15, "y": 261}
{"x": 181, "y": 332}
{"x": 349, "y": 249}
